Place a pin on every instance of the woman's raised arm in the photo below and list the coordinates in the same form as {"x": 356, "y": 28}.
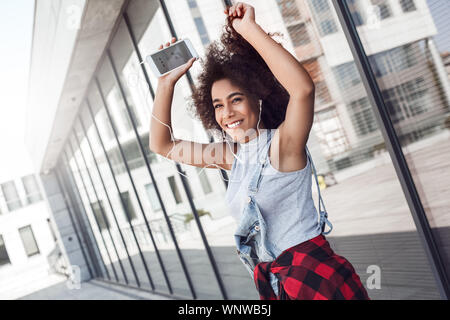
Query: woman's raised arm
{"x": 293, "y": 133}
{"x": 285, "y": 67}
{"x": 188, "y": 152}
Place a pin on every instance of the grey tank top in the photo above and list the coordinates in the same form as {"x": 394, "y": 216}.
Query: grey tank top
{"x": 284, "y": 198}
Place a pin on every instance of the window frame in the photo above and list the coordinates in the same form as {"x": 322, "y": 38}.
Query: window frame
{"x": 28, "y": 227}
{"x": 3, "y": 245}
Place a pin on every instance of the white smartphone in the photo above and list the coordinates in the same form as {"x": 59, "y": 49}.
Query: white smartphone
{"x": 165, "y": 60}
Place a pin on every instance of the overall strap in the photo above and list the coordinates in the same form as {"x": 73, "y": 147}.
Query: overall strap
{"x": 261, "y": 158}
{"x": 323, "y": 214}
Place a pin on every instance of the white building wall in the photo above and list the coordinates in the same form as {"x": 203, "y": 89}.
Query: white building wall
{"x": 395, "y": 31}
{"x": 24, "y": 275}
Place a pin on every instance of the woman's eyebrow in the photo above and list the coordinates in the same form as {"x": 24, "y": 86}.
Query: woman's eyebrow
{"x": 229, "y": 96}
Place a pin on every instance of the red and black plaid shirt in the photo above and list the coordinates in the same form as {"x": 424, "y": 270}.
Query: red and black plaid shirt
{"x": 310, "y": 271}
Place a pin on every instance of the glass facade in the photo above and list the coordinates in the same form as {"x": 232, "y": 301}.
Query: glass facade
{"x": 415, "y": 91}
{"x": 164, "y": 226}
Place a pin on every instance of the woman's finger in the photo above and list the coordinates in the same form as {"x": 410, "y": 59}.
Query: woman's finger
{"x": 191, "y": 62}
{"x": 187, "y": 66}
{"x": 174, "y": 39}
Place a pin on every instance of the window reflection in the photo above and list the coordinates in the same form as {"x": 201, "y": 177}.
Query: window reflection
{"x": 416, "y": 91}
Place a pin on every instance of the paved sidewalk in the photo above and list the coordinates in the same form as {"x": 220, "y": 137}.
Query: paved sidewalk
{"x": 92, "y": 290}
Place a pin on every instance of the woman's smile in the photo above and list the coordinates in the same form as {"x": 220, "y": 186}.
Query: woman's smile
{"x": 235, "y": 124}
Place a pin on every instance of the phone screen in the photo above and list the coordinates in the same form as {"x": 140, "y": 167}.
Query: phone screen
{"x": 171, "y": 57}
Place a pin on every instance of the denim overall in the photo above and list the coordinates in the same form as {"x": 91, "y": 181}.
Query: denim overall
{"x": 250, "y": 235}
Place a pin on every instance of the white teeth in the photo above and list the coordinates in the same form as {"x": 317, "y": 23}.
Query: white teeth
{"x": 234, "y": 124}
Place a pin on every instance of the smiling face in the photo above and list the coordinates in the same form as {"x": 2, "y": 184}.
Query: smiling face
{"x": 236, "y": 111}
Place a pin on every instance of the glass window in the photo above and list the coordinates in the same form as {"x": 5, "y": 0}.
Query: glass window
{"x": 407, "y": 5}
{"x": 321, "y": 5}
{"x": 327, "y": 27}
{"x": 201, "y": 30}
{"x": 289, "y": 11}
{"x": 122, "y": 70}
{"x": 406, "y": 100}
{"x": 330, "y": 132}
{"x": 416, "y": 90}
{"x": 31, "y": 186}
{"x": 153, "y": 197}
{"x": 28, "y": 240}
{"x": 100, "y": 215}
{"x": 204, "y": 181}
{"x": 119, "y": 238}
{"x": 355, "y": 10}
{"x": 106, "y": 130}
{"x": 81, "y": 169}
{"x": 392, "y": 102}
{"x": 11, "y": 196}
{"x": 363, "y": 117}
{"x": 322, "y": 94}
{"x": 118, "y": 110}
{"x": 191, "y": 191}
{"x": 384, "y": 10}
{"x": 347, "y": 75}
{"x": 174, "y": 188}
{"x": 394, "y": 60}
{"x": 150, "y": 28}
{"x": 4, "y": 258}
{"x": 299, "y": 34}
{"x": 192, "y": 4}
{"x": 128, "y": 205}
{"x": 323, "y": 17}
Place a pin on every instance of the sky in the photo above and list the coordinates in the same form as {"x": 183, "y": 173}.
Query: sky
{"x": 16, "y": 24}
{"x": 440, "y": 10}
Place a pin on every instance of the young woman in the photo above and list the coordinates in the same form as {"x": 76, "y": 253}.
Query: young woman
{"x": 262, "y": 100}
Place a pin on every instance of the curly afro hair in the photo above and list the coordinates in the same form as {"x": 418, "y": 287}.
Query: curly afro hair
{"x": 235, "y": 59}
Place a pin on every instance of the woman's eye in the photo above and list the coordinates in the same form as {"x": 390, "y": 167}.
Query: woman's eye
{"x": 236, "y": 100}
{"x": 217, "y": 105}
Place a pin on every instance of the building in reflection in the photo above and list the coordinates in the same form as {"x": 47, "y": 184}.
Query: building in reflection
{"x": 399, "y": 35}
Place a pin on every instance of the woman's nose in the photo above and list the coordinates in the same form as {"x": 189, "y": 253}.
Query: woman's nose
{"x": 228, "y": 110}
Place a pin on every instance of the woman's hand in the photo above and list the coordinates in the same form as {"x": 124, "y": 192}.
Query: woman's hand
{"x": 172, "y": 77}
{"x": 242, "y": 15}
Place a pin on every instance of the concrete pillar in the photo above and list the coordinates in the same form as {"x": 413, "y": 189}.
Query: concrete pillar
{"x": 77, "y": 243}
